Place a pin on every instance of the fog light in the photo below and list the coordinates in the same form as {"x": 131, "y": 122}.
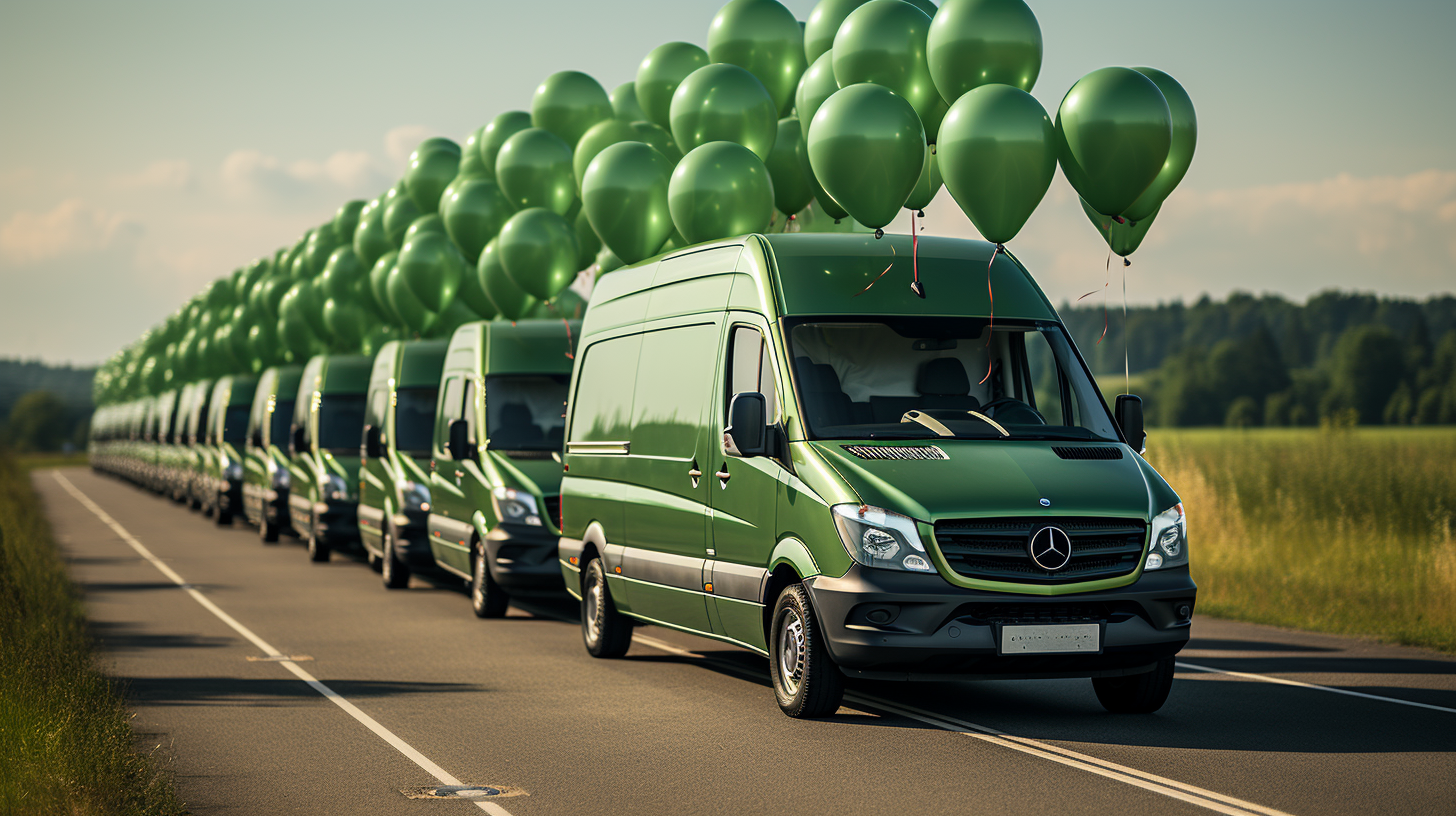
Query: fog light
{"x": 917, "y": 563}
{"x": 1185, "y": 612}
{"x": 1154, "y": 561}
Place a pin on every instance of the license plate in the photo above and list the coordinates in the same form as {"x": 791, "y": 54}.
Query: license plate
{"x": 1052, "y": 638}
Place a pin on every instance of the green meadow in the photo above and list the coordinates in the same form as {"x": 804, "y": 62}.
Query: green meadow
{"x": 1351, "y": 531}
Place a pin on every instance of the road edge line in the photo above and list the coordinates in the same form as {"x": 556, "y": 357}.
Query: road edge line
{"x": 1264, "y": 678}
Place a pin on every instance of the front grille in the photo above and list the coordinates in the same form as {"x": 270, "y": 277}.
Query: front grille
{"x": 1087, "y": 451}
{"x": 980, "y": 613}
{"x": 995, "y": 549}
{"x": 553, "y": 510}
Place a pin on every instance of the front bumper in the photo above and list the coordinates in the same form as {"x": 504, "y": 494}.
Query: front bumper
{"x": 523, "y": 559}
{"x": 229, "y": 495}
{"x": 936, "y": 630}
{"x": 412, "y": 539}
{"x": 338, "y": 520}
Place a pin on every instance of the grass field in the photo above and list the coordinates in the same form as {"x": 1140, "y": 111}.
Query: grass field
{"x": 1346, "y": 531}
{"x": 65, "y": 736}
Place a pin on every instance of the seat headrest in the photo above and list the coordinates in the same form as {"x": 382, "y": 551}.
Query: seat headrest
{"x": 943, "y": 377}
{"x": 817, "y": 376}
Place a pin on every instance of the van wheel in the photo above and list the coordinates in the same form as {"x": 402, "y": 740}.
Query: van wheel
{"x": 375, "y": 562}
{"x": 393, "y": 571}
{"x": 487, "y": 599}
{"x": 224, "y": 518}
{"x": 318, "y": 549}
{"x": 805, "y": 679}
{"x": 1137, "y": 693}
{"x": 268, "y": 528}
{"x": 606, "y": 632}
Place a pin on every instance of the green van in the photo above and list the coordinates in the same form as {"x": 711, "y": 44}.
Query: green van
{"x": 158, "y": 456}
{"x": 227, "y": 431}
{"x": 266, "y": 474}
{"x": 328, "y": 420}
{"x": 394, "y": 475}
{"x": 775, "y": 443}
{"x": 496, "y": 480}
{"x": 194, "y": 436}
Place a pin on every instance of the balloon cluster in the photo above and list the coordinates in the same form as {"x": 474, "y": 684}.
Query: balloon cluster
{"x": 868, "y": 107}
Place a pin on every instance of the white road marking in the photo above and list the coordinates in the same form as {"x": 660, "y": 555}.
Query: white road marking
{"x": 1211, "y": 800}
{"x": 367, "y": 721}
{"x": 1298, "y": 684}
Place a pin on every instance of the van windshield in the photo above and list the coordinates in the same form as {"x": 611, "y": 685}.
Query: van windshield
{"x": 235, "y": 424}
{"x": 341, "y": 423}
{"x": 281, "y": 424}
{"x": 903, "y": 378}
{"x": 414, "y": 418}
{"x": 524, "y": 411}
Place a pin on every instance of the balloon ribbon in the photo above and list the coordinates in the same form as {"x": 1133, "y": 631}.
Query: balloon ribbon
{"x": 881, "y": 275}
{"x": 1108, "y": 282}
{"x": 915, "y": 285}
{"x": 992, "y": 297}
{"x": 567, "y": 324}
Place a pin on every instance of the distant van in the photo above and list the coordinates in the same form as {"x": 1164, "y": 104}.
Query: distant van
{"x": 394, "y": 474}
{"x": 193, "y": 435}
{"x": 495, "y": 486}
{"x": 775, "y": 443}
{"x": 222, "y": 457}
{"x": 328, "y": 420}
{"x": 266, "y": 474}
{"x": 159, "y": 448}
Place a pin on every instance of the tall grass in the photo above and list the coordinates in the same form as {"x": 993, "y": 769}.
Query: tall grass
{"x": 66, "y": 743}
{"x": 1347, "y": 531}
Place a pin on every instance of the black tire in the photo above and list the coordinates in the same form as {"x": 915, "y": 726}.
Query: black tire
{"x": 806, "y": 681}
{"x": 318, "y": 548}
{"x": 1136, "y": 693}
{"x": 393, "y": 572}
{"x": 605, "y": 631}
{"x": 268, "y": 529}
{"x": 375, "y": 562}
{"x": 487, "y": 599}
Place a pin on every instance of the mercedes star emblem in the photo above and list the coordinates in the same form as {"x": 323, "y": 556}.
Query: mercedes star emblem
{"x": 1050, "y": 548}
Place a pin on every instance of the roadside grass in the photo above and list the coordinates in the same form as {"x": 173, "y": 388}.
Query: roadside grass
{"x": 66, "y": 744}
{"x": 34, "y": 461}
{"x": 1345, "y": 531}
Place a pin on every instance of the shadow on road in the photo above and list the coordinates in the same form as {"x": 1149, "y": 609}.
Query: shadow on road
{"x": 270, "y": 692}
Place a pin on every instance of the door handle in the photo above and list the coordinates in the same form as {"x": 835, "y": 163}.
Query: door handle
{"x": 694, "y": 474}
{"x": 723, "y": 475}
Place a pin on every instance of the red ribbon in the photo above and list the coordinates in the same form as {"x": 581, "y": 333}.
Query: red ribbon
{"x": 992, "y": 297}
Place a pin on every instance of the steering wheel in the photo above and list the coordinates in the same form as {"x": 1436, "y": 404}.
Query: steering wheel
{"x": 990, "y": 408}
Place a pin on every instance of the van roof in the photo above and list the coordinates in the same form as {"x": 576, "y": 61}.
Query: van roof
{"x": 420, "y": 362}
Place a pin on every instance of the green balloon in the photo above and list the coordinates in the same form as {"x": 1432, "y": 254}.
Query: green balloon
{"x": 867, "y": 148}
{"x": 762, "y": 37}
{"x": 566, "y": 306}
{"x": 432, "y": 166}
{"x": 817, "y": 85}
{"x": 595, "y": 140}
{"x": 1180, "y": 148}
{"x": 347, "y": 321}
{"x": 724, "y": 103}
{"x": 473, "y": 295}
{"x": 370, "y": 239}
{"x": 343, "y": 275}
{"x": 262, "y": 345}
{"x": 823, "y": 24}
{"x": 423, "y": 224}
{"x": 511, "y": 301}
{"x": 534, "y": 170}
{"x": 926, "y": 6}
{"x": 500, "y": 128}
{"x": 625, "y": 105}
{"x": 379, "y": 284}
{"x": 983, "y": 42}
{"x": 457, "y": 314}
{"x": 294, "y": 335}
{"x": 432, "y": 268}
{"x": 321, "y": 244}
{"x": 1114, "y": 130}
{"x": 243, "y": 321}
{"x": 311, "y": 301}
{"x": 267, "y": 293}
{"x": 399, "y": 213}
{"x": 408, "y": 308}
{"x": 588, "y": 243}
{"x": 568, "y": 103}
{"x": 607, "y": 261}
{"x": 219, "y": 294}
{"x": 624, "y": 197}
{"x": 256, "y": 271}
{"x": 538, "y": 249}
{"x": 1122, "y": 238}
{"x": 375, "y": 339}
{"x": 661, "y": 71}
{"x": 998, "y": 157}
{"x": 883, "y": 42}
{"x": 788, "y": 166}
{"x": 474, "y": 212}
{"x": 658, "y": 139}
{"x": 346, "y": 220}
{"x": 928, "y": 184}
{"x": 720, "y": 190}
{"x": 471, "y": 163}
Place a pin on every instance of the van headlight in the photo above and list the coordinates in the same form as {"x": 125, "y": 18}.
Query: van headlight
{"x": 281, "y": 479}
{"x": 414, "y": 495}
{"x": 232, "y": 471}
{"x": 1169, "y": 543}
{"x": 880, "y": 538}
{"x": 334, "y": 487}
{"x": 515, "y": 506}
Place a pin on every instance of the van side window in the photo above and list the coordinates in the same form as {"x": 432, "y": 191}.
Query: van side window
{"x": 674, "y": 386}
{"x": 602, "y": 407}
{"x": 750, "y": 369}
{"x": 449, "y": 409}
{"x": 472, "y": 420}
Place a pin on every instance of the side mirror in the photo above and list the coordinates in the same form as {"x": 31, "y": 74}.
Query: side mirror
{"x": 372, "y": 447}
{"x": 257, "y": 438}
{"x": 298, "y": 444}
{"x": 1129, "y": 416}
{"x": 459, "y": 444}
{"x": 747, "y": 425}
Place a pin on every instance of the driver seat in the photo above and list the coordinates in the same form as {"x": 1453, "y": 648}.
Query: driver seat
{"x": 943, "y": 383}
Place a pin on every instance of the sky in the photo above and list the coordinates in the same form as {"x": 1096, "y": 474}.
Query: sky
{"x": 149, "y": 147}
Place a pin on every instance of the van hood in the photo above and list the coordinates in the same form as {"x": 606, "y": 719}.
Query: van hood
{"x": 996, "y": 478}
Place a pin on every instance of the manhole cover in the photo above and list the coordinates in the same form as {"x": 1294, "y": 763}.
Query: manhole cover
{"x": 462, "y": 792}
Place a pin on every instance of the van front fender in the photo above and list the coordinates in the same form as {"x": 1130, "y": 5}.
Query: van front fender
{"x": 792, "y": 551}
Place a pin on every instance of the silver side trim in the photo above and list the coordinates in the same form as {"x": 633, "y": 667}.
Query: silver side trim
{"x": 599, "y": 448}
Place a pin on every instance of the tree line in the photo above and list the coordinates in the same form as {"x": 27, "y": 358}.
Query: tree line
{"x": 1341, "y": 357}
{"x": 44, "y": 407}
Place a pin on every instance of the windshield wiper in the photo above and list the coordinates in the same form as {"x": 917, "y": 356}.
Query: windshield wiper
{"x": 928, "y": 421}
{"x": 989, "y": 421}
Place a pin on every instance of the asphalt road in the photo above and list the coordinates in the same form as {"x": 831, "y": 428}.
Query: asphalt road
{"x": 409, "y": 689}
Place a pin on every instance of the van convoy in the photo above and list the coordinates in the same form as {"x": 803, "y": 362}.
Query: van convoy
{"x": 768, "y": 441}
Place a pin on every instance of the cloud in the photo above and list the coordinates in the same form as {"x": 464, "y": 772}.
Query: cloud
{"x": 166, "y": 174}
{"x": 72, "y": 228}
{"x": 248, "y": 173}
{"x": 400, "y": 142}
